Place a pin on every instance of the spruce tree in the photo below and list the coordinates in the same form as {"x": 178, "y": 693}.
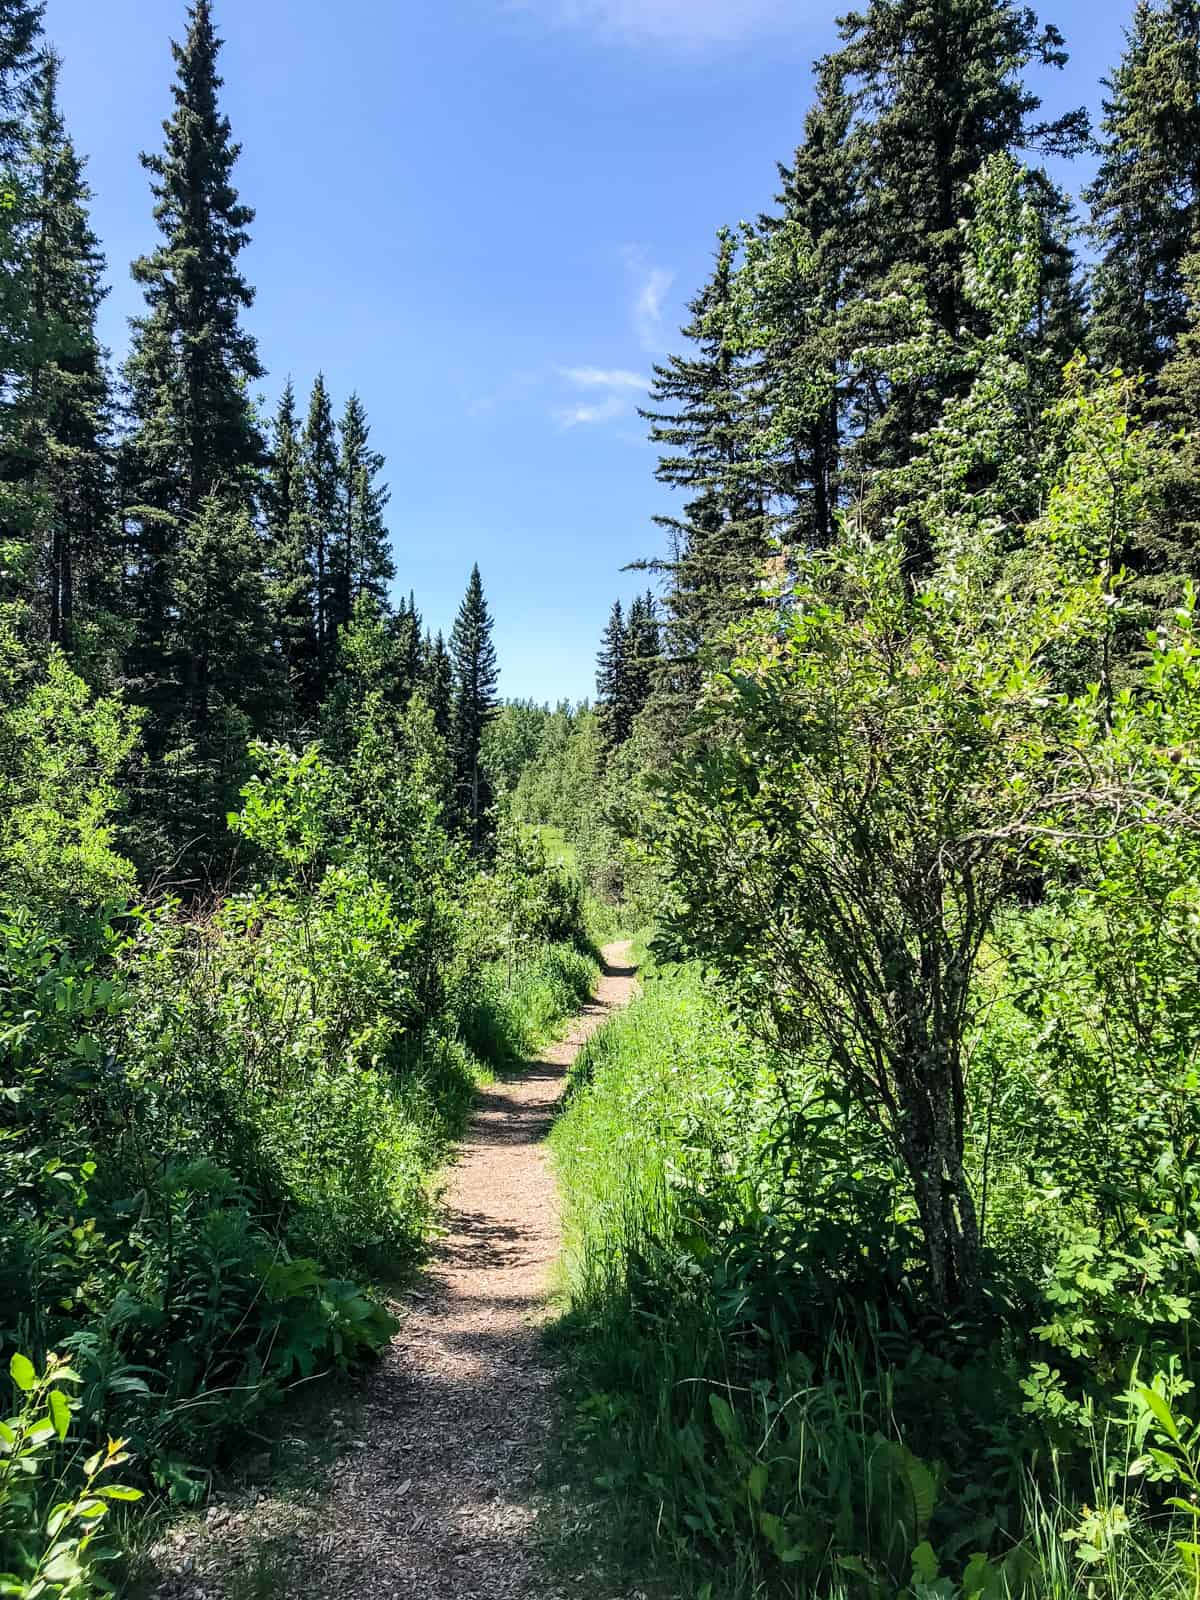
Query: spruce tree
{"x": 719, "y": 543}
{"x": 20, "y": 39}
{"x": 362, "y": 560}
{"x": 1171, "y": 544}
{"x": 808, "y": 376}
{"x": 1144, "y": 197}
{"x": 191, "y": 361}
{"x": 20, "y": 58}
{"x": 644, "y": 653}
{"x": 612, "y": 681}
{"x": 293, "y": 579}
{"x": 226, "y": 685}
{"x": 473, "y": 661}
{"x": 935, "y": 87}
{"x": 322, "y": 486}
{"x": 66, "y": 396}
{"x": 220, "y": 628}
{"x": 409, "y": 649}
{"x": 437, "y": 683}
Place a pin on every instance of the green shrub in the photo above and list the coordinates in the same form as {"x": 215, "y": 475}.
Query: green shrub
{"x": 508, "y": 1012}
{"x": 51, "y": 1534}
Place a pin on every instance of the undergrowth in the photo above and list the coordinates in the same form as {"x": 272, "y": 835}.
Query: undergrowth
{"x": 751, "y": 1389}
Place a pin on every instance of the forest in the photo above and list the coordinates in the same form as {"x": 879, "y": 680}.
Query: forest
{"x": 880, "y": 1202}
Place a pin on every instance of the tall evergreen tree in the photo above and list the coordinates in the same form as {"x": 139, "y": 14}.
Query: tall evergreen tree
{"x": 409, "y": 649}
{"x": 612, "y": 680}
{"x": 935, "y": 88}
{"x": 437, "y": 682}
{"x": 65, "y": 396}
{"x": 808, "y": 379}
{"x": 20, "y": 39}
{"x": 322, "y": 508}
{"x": 719, "y": 543}
{"x": 475, "y": 676}
{"x": 191, "y": 361}
{"x": 292, "y": 575}
{"x": 363, "y": 562}
{"x": 1171, "y": 545}
{"x": 220, "y": 638}
{"x": 644, "y": 653}
{"x": 1147, "y": 187}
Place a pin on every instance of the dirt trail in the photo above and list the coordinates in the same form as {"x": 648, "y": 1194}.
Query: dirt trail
{"x": 433, "y": 1501}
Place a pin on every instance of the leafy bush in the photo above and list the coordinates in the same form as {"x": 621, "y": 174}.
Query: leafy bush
{"x": 217, "y": 1117}
{"x": 756, "y": 1381}
{"x": 50, "y": 1548}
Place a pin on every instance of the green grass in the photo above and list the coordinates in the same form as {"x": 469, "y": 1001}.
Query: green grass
{"x": 713, "y": 1451}
{"x": 560, "y": 852}
{"x": 509, "y": 1013}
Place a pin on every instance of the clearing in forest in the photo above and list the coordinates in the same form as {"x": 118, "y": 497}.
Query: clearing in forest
{"x": 435, "y": 1497}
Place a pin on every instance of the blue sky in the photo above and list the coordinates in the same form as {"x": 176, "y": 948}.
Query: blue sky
{"x": 486, "y": 216}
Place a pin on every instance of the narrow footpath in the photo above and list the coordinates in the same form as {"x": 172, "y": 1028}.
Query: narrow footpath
{"x": 434, "y": 1499}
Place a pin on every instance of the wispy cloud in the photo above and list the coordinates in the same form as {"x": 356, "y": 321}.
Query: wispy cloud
{"x": 651, "y": 285}
{"x": 604, "y": 378}
{"x": 610, "y": 392}
{"x": 690, "y": 24}
{"x": 584, "y": 412}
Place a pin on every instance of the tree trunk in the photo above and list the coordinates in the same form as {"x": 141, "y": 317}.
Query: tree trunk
{"x": 931, "y": 1146}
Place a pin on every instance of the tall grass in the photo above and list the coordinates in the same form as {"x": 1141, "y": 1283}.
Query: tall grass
{"x": 506, "y": 1011}
{"x": 757, "y": 1450}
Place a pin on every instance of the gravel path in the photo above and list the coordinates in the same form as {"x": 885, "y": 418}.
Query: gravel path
{"x": 434, "y": 1499}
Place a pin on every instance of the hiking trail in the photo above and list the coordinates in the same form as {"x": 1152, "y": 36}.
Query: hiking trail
{"x": 434, "y": 1498}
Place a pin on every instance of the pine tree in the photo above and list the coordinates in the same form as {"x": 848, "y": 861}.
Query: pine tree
{"x": 1172, "y": 548}
{"x": 362, "y": 560}
{"x": 473, "y": 660}
{"x": 437, "y": 682}
{"x": 194, "y": 430}
{"x": 225, "y": 684}
{"x": 20, "y": 42}
{"x": 20, "y": 39}
{"x": 644, "y": 653}
{"x": 612, "y": 681}
{"x": 293, "y": 580}
{"x": 719, "y": 543}
{"x": 1145, "y": 194}
{"x": 409, "y": 650}
{"x": 934, "y": 89}
{"x": 322, "y": 508}
{"x": 219, "y": 641}
{"x": 809, "y": 376}
{"x": 65, "y": 398}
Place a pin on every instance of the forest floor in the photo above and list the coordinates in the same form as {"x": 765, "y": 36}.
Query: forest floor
{"x": 435, "y": 1497}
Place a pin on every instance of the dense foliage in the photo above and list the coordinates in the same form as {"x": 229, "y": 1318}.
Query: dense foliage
{"x": 260, "y": 935}
{"x": 881, "y": 1202}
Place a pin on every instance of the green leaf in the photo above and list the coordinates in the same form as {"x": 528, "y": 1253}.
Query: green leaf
{"x": 22, "y": 1372}
{"x": 925, "y": 1565}
{"x": 60, "y": 1412}
{"x": 1162, "y": 1412}
{"x": 63, "y": 1568}
{"x": 975, "y": 1579}
{"x": 57, "y": 1519}
{"x": 723, "y": 1416}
